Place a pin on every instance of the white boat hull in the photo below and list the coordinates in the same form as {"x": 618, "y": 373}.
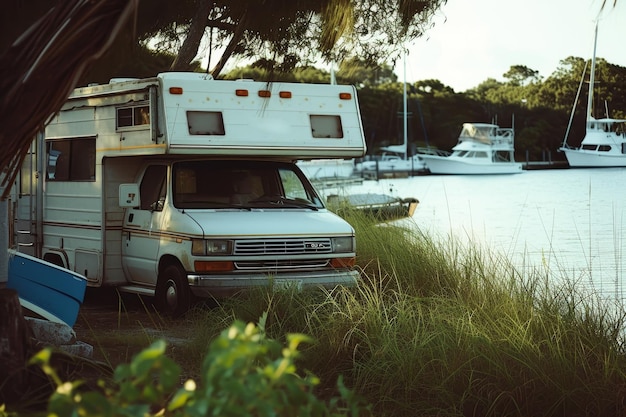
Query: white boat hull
{"x": 414, "y": 164}
{"x": 465, "y": 166}
{"x": 327, "y": 168}
{"x": 577, "y": 158}
{"x": 46, "y": 289}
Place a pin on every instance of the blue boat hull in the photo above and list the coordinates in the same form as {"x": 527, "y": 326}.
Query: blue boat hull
{"x": 49, "y": 290}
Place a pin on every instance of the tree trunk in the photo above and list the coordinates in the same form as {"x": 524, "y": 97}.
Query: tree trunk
{"x": 191, "y": 44}
{"x": 14, "y": 346}
{"x": 234, "y": 41}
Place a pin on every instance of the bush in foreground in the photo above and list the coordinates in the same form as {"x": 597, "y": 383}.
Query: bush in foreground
{"x": 243, "y": 374}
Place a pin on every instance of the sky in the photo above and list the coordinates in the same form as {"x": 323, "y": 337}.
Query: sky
{"x": 474, "y": 40}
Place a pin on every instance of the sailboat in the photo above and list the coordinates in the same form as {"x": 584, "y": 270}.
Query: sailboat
{"x": 604, "y": 144}
{"x": 394, "y": 160}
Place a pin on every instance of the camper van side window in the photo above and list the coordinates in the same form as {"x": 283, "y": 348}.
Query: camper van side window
{"x": 205, "y": 123}
{"x": 326, "y": 126}
{"x": 133, "y": 116}
{"x": 71, "y": 159}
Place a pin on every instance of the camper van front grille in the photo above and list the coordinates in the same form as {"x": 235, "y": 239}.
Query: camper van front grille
{"x": 286, "y": 264}
{"x": 282, "y": 246}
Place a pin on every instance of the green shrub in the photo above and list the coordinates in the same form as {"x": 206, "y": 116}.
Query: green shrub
{"x": 244, "y": 373}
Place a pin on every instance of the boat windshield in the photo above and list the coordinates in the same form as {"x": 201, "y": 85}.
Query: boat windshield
{"x": 616, "y": 126}
{"x": 478, "y": 133}
{"x": 241, "y": 185}
{"x": 487, "y": 134}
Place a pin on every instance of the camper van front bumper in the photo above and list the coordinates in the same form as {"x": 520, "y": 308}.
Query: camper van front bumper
{"x": 225, "y": 285}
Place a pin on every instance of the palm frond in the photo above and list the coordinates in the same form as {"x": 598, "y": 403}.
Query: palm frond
{"x": 43, "y": 65}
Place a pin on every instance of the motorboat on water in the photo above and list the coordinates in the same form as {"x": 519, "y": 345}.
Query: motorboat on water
{"x": 381, "y": 207}
{"x": 319, "y": 169}
{"x": 482, "y": 148}
{"x": 330, "y": 172}
{"x": 604, "y": 144}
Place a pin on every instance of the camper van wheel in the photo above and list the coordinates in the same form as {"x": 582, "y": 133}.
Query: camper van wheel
{"x": 173, "y": 293}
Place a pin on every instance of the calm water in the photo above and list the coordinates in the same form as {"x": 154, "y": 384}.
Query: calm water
{"x": 569, "y": 222}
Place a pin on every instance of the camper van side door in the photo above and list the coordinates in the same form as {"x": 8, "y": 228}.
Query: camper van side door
{"x": 142, "y": 228}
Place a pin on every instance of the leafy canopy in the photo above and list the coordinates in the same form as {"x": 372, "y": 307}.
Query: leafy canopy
{"x": 284, "y": 32}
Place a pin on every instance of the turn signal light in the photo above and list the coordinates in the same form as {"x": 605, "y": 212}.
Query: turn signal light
{"x": 214, "y": 266}
{"x": 343, "y": 262}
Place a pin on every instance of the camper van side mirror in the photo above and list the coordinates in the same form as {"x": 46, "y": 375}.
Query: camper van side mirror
{"x": 129, "y": 195}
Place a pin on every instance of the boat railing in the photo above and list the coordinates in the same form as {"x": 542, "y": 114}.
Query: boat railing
{"x": 432, "y": 151}
{"x": 505, "y": 133}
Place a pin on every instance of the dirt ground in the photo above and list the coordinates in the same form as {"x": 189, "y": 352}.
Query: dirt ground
{"x": 119, "y": 325}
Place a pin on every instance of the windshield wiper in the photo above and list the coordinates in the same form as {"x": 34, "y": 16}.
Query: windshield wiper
{"x": 211, "y": 205}
{"x": 277, "y": 200}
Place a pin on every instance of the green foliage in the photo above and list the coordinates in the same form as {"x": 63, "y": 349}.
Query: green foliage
{"x": 288, "y": 33}
{"x": 357, "y": 72}
{"x": 520, "y": 75}
{"x": 244, "y": 373}
{"x": 263, "y": 71}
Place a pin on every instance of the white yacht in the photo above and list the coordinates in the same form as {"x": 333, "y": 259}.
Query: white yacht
{"x": 482, "y": 148}
{"x": 604, "y": 144}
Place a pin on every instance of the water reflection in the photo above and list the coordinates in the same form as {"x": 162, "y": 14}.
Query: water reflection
{"x": 570, "y": 222}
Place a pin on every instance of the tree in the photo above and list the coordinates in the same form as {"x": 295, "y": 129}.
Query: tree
{"x": 520, "y": 75}
{"x": 257, "y": 71}
{"x": 287, "y": 32}
{"x": 357, "y": 72}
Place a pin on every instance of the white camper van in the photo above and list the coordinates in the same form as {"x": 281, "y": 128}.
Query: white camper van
{"x": 181, "y": 185}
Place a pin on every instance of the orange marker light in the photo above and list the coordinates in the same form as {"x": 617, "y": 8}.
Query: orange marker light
{"x": 213, "y": 266}
{"x": 342, "y": 262}
{"x": 241, "y": 93}
{"x": 285, "y": 94}
{"x": 176, "y": 90}
{"x": 265, "y": 93}
{"x": 345, "y": 96}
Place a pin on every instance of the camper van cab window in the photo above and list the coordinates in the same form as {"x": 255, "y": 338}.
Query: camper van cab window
{"x": 234, "y": 184}
{"x": 326, "y": 126}
{"x": 71, "y": 159}
{"x": 205, "y": 123}
{"x": 133, "y": 116}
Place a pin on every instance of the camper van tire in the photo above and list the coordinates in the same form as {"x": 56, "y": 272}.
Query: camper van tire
{"x": 173, "y": 295}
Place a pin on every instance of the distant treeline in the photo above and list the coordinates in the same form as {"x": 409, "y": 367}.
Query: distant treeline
{"x": 539, "y": 109}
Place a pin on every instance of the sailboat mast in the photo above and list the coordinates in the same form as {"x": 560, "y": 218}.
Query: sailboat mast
{"x": 592, "y": 76}
{"x": 404, "y": 118}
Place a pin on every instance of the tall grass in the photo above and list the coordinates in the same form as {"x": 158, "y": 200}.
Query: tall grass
{"x": 438, "y": 328}
{"x": 446, "y": 329}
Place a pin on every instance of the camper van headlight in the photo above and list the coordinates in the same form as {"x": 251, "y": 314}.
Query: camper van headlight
{"x": 343, "y": 244}
{"x": 210, "y": 247}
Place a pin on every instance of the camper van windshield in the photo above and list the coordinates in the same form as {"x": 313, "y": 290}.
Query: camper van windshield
{"x": 241, "y": 184}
